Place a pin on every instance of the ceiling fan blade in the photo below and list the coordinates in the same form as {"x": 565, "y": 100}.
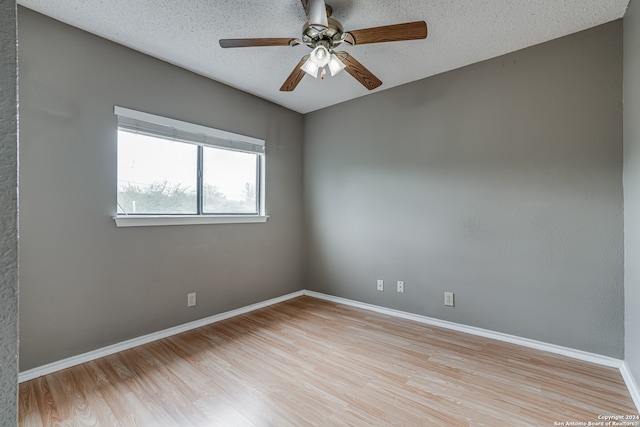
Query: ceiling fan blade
{"x": 359, "y": 71}
{"x": 316, "y": 12}
{"x": 389, "y": 33}
{"x": 294, "y": 78}
{"x": 258, "y": 42}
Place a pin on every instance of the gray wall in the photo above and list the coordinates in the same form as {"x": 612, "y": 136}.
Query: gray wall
{"x": 500, "y": 181}
{"x": 86, "y": 284}
{"x": 8, "y": 216}
{"x": 632, "y": 186}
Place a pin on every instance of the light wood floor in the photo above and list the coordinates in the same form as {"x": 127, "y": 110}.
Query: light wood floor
{"x": 308, "y": 362}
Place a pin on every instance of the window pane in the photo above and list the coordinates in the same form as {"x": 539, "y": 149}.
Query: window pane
{"x": 229, "y": 181}
{"x": 155, "y": 175}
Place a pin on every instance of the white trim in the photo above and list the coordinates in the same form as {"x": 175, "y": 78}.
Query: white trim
{"x": 160, "y": 220}
{"x": 125, "y": 345}
{"x": 525, "y": 342}
{"x": 632, "y": 385}
{"x": 186, "y": 126}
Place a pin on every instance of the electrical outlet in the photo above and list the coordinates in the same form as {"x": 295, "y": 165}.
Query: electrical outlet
{"x": 380, "y": 285}
{"x": 400, "y": 287}
{"x": 191, "y": 299}
{"x": 448, "y": 299}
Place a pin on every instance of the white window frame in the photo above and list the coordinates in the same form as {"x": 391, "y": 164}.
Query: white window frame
{"x": 185, "y": 132}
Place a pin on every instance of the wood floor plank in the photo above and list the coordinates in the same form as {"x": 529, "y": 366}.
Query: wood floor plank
{"x": 28, "y": 411}
{"x": 308, "y": 362}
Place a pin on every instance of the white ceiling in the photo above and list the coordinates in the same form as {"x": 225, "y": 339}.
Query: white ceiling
{"x": 461, "y": 32}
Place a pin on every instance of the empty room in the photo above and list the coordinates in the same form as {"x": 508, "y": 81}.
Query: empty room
{"x": 310, "y": 213}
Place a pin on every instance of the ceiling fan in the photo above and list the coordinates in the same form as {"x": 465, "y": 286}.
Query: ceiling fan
{"x": 323, "y": 35}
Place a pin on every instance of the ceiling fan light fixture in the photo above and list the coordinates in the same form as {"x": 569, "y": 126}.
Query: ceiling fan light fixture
{"x": 310, "y": 68}
{"x": 320, "y": 56}
{"x": 335, "y": 65}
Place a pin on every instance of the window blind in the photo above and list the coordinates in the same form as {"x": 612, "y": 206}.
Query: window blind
{"x": 177, "y": 130}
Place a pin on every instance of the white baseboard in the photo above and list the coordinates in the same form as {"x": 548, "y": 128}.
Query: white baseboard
{"x": 125, "y": 345}
{"x": 552, "y": 348}
{"x": 632, "y": 385}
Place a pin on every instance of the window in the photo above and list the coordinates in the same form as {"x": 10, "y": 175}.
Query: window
{"x": 172, "y": 172}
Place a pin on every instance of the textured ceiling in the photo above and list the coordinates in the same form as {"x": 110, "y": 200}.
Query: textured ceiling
{"x": 461, "y": 32}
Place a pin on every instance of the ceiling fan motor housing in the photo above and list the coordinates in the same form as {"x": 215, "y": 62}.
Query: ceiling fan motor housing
{"x": 330, "y": 36}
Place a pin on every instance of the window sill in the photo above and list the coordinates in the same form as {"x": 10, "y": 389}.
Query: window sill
{"x": 163, "y": 220}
